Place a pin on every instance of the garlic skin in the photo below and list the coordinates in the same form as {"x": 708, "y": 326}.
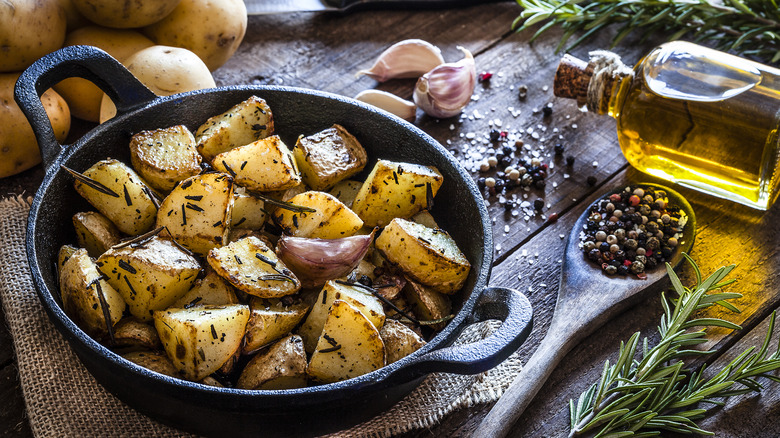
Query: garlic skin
{"x": 389, "y": 102}
{"x": 447, "y": 89}
{"x": 405, "y": 59}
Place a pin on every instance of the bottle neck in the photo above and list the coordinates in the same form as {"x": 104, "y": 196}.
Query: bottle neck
{"x": 610, "y": 77}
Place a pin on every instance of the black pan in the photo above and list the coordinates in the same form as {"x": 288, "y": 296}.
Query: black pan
{"x": 217, "y": 411}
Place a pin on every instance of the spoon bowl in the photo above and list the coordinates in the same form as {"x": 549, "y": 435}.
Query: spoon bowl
{"x": 587, "y": 298}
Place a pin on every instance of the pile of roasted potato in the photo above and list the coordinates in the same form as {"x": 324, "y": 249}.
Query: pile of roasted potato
{"x": 226, "y": 258}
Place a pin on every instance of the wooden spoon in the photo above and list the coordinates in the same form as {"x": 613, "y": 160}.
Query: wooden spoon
{"x": 587, "y": 298}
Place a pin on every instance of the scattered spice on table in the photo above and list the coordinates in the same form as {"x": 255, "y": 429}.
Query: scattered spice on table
{"x": 632, "y": 231}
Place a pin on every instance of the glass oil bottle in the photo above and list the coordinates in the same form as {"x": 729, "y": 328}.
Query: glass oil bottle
{"x": 691, "y": 115}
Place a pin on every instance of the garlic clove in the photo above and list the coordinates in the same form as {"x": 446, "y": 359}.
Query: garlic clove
{"x": 389, "y": 102}
{"x": 447, "y": 89}
{"x": 405, "y": 59}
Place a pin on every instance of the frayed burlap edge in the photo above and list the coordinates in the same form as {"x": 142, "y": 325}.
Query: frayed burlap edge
{"x": 64, "y": 400}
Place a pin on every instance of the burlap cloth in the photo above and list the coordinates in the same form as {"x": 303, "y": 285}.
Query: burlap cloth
{"x": 63, "y": 400}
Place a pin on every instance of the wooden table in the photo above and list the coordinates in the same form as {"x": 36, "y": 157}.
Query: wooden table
{"x": 324, "y": 51}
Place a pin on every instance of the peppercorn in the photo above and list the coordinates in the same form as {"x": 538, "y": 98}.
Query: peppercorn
{"x": 506, "y": 161}
{"x": 552, "y": 217}
{"x": 547, "y": 111}
{"x": 538, "y": 205}
{"x": 481, "y": 182}
{"x": 494, "y": 135}
{"x": 591, "y": 180}
{"x": 611, "y": 270}
{"x": 570, "y": 160}
{"x": 509, "y": 205}
{"x": 622, "y": 270}
{"x": 603, "y": 247}
{"x": 507, "y": 150}
{"x": 540, "y": 184}
{"x": 522, "y": 92}
{"x": 594, "y": 255}
{"x": 558, "y": 148}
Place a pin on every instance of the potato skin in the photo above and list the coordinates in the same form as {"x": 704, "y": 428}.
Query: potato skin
{"x": 125, "y": 14}
{"x": 29, "y": 30}
{"x": 212, "y": 29}
{"x": 18, "y": 146}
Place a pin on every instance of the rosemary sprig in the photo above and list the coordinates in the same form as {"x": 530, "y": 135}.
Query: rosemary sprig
{"x": 747, "y": 27}
{"x": 650, "y": 390}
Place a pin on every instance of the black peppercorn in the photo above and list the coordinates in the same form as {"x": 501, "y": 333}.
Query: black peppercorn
{"x": 570, "y": 160}
{"x": 591, "y": 180}
{"x": 540, "y": 184}
{"x": 494, "y": 135}
{"x": 558, "y": 148}
{"x": 481, "y": 182}
{"x": 538, "y": 205}
{"x": 546, "y": 111}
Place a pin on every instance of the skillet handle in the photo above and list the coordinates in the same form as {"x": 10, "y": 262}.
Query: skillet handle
{"x": 508, "y": 305}
{"x": 86, "y": 62}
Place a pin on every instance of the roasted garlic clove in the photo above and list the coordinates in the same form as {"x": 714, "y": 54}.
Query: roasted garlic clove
{"x": 405, "y": 59}
{"x": 389, "y": 102}
{"x": 444, "y": 91}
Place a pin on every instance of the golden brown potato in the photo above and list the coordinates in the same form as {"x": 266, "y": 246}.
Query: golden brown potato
{"x": 128, "y": 203}
{"x": 87, "y": 298}
{"x": 125, "y": 14}
{"x": 251, "y": 266}
{"x": 131, "y": 333}
{"x": 156, "y": 361}
{"x": 201, "y": 339}
{"x": 329, "y": 156}
{"x": 83, "y": 96}
{"x": 395, "y": 189}
{"x": 427, "y": 304}
{"x": 29, "y": 30}
{"x": 427, "y": 255}
{"x": 400, "y": 341}
{"x": 244, "y": 123}
{"x": 281, "y": 366}
{"x": 212, "y": 29}
{"x": 198, "y": 211}
{"x": 270, "y": 320}
{"x": 262, "y": 166}
{"x": 358, "y": 298}
{"x": 149, "y": 277}
{"x": 211, "y": 289}
{"x": 331, "y": 220}
{"x": 63, "y": 255}
{"x": 349, "y": 346}
{"x": 95, "y": 232}
{"x": 164, "y": 157}
{"x": 164, "y": 70}
{"x": 346, "y": 190}
{"x": 248, "y": 211}
{"x": 18, "y": 146}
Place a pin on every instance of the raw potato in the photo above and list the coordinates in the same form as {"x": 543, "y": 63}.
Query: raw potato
{"x": 331, "y": 220}
{"x": 87, "y": 298}
{"x": 125, "y": 14}
{"x": 359, "y": 299}
{"x": 270, "y": 320}
{"x": 197, "y": 212}
{"x": 156, "y": 361}
{"x": 427, "y": 304}
{"x": 211, "y": 289}
{"x": 212, "y": 29}
{"x": 132, "y": 333}
{"x": 164, "y": 70}
{"x": 262, "y": 166}
{"x": 149, "y": 277}
{"x": 72, "y": 15}
{"x": 130, "y": 207}
{"x": 164, "y": 157}
{"x": 251, "y": 266}
{"x": 350, "y": 346}
{"x": 95, "y": 232}
{"x": 282, "y": 366}
{"x": 395, "y": 189}
{"x": 248, "y": 211}
{"x": 345, "y": 191}
{"x": 83, "y": 96}
{"x": 328, "y": 157}
{"x": 29, "y": 30}
{"x": 400, "y": 341}
{"x": 201, "y": 339}
{"x": 18, "y": 146}
{"x": 427, "y": 255}
{"x": 249, "y": 121}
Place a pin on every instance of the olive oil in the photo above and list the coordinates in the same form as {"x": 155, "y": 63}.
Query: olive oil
{"x": 694, "y": 116}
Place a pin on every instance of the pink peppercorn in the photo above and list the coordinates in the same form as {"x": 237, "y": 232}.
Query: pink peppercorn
{"x": 634, "y": 200}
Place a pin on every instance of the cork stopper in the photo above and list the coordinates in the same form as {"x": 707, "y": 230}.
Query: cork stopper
{"x": 572, "y": 78}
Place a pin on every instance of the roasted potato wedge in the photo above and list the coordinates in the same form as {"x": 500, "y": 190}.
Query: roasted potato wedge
{"x": 328, "y": 157}
{"x": 124, "y": 197}
{"x": 156, "y": 361}
{"x": 163, "y": 157}
{"x": 331, "y": 220}
{"x": 251, "y": 266}
{"x": 356, "y": 297}
{"x": 270, "y": 320}
{"x": 87, "y": 298}
{"x": 95, "y": 232}
{"x": 281, "y": 366}
{"x": 394, "y": 190}
{"x": 201, "y": 339}
{"x": 132, "y": 333}
{"x": 349, "y": 346}
{"x": 424, "y": 217}
{"x": 245, "y": 123}
{"x": 211, "y": 289}
{"x": 427, "y": 304}
{"x": 248, "y": 211}
{"x": 150, "y": 277}
{"x": 198, "y": 211}
{"x": 427, "y": 255}
{"x": 63, "y": 255}
{"x": 264, "y": 165}
{"x": 400, "y": 341}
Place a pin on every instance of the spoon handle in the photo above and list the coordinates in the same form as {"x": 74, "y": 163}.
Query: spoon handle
{"x": 560, "y": 338}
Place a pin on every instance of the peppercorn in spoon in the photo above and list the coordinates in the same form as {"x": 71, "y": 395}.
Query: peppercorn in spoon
{"x": 590, "y": 292}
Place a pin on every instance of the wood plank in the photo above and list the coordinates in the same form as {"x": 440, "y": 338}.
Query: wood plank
{"x": 13, "y": 420}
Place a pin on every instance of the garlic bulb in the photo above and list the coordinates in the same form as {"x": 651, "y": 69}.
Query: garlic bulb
{"x": 444, "y": 91}
{"x": 389, "y": 102}
{"x": 405, "y": 59}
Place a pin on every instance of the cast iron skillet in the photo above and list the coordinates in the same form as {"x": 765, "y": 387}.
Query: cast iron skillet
{"x": 208, "y": 410}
